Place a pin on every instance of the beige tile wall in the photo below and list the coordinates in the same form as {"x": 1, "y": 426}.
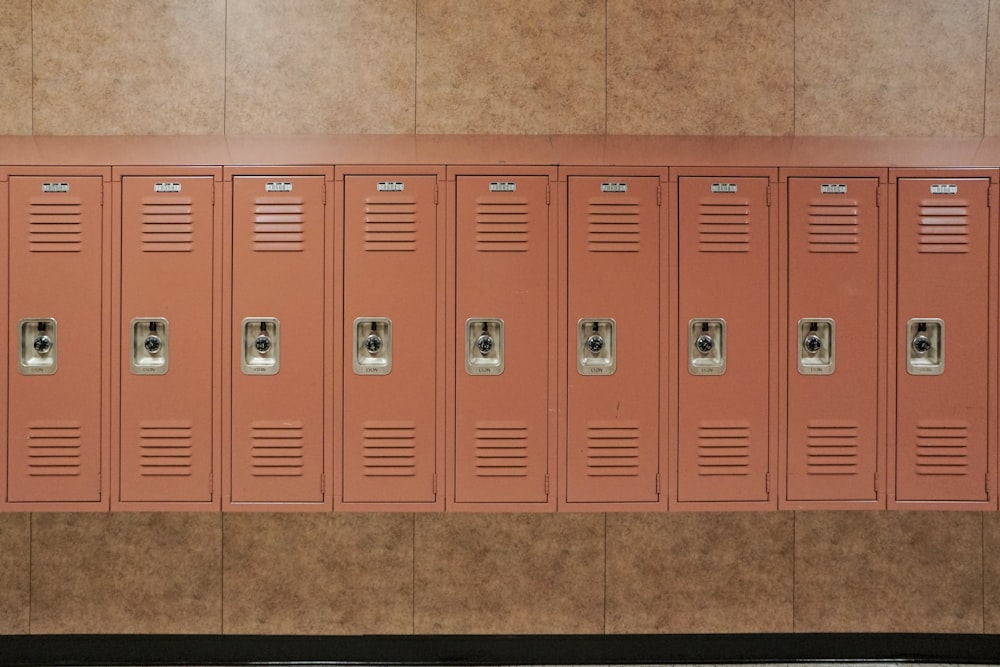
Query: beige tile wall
{"x": 278, "y": 67}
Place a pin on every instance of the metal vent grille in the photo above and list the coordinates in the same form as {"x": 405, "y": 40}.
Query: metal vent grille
{"x": 54, "y": 449}
{"x": 613, "y": 225}
{"x": 276, "y": 449}
{"x": 724, "y": 224}
{"x": 612, "y": 449}
{"x": 502, "y": 225}
{"x": 724, "y": 449}
{"x": 278, "y": 224}
{"x": 55, "y": 224}
{"x": 501, "y": 449}
{"x": 390, "y": 224}
{"x": 167, "y": 224}
{"x": 832, "y": 448}
{"x": 165, "y": 449}
{"x": 390, "y": 449}
{"x": 942, "y": 448}
{"x": 833, "y": 225}
{"x": 944, "y": 226}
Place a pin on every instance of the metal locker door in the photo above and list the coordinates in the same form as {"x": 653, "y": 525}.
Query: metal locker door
{"x": 723, "y": 339}
{"x": 942, "y": 330}
{"x": 390, "y": 339}
{"x": 55, "y": 365}
{"x": 613, "y": 339}
{"x": 501, "y": 339}
{"x": 833, "y": 338}
{"x": 277, "y": 348}
{"x": 167, "y": 232}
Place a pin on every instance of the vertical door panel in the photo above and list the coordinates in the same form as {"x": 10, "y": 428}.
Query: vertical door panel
{"x": 277, "y": 419}
{"x": 390, "y": 248}
{"x": 613, "y": 439}
{"x": 723, "y": 275}
{"x": 54, "y": 433}
{"x": 833, "y": 256}
{"x": 943, "y": 273}
{"x": 166, "y": 419}
{"x": 501, "y": 428}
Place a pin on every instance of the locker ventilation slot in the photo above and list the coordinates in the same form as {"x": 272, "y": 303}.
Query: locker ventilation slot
{"x": 833, "y": 226}
{"x": 54, "y": 450}
{"x": 724, "y": 225}
{"x": 944, "y": 226}
{"x": 724, "y": 449}
{"x": 167, "y": 224}
{"x": 613, "y": 449}
{"x": 276, "y": 449}
{"x": 832, "y": 448}
{"x": 502, "y": 226}
{"x": 390, "y": 449}
{"x": 390, "y": 224}
{"x": 613, "y": 226}
{"x": 165, "y": 449}
{"x": 943, "y": 448}
{"x": 278, "y": 225}
{"x": 501, "y": 449}
{"x": 55, "y": 226}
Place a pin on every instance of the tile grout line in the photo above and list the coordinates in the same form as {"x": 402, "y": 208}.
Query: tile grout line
{"x": 986, "y": 69}
{"x": 606, "y": 85}
{"x": 31, "y": 37}
{"x": 416, "y": 51}
{"x": 795, "y": 117}
{"x": 225, "y": 67}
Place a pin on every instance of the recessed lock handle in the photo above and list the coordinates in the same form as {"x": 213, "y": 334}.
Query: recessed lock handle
{"x": 261, "y": 339}
{"x": 925, "y": 355}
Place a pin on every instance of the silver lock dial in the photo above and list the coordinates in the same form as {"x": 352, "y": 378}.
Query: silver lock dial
{"x": 704, "y": 343}
{"x": 484, "y": 344}
{"x": 152, "y": 344}
{"x": 921, "y": 344}
{"x": 812, "y": 343}
{"x": 595, "y": 344}
{"x": 373, "y": 344}
{"x": 42, "y": 344}
{"x": 262, "y": 344}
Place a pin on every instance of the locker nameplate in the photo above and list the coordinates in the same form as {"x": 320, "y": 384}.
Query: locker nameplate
{"x": 944, "y": 189}
{"x": 614, "y": 187}
{"x": 166, "y": 187}
{"x": 725, "y": 188}
{"x": 55, "y": 187}
{"x": 833, "y": 189}
{"x": 390, "y": 186}
{"x": 278, "y": 187}
{"x": 498, "y": 186}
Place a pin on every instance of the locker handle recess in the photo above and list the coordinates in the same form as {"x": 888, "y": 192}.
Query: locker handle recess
{"x": 484, "y": 346}
{"x": 39, "y": 346}
{"x": 707, "y": 346}
{"x": 816, "y": 346}
{"x": 261, "y": 346}
{"x": 150, "y": 346}
{"x": 595, "y": 342}
{"x": 925, "y": 346}
{"x": 372, "y": 346}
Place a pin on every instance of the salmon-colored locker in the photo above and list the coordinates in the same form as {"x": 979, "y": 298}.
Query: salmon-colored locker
{"x": 612, "y": 453}
{"x": 725, "y": 314}
{"x": 168, "y": 335}
{"x": 274, "y": 454}
{"x": 944, "y": 339}
{"x": 504, "y": 352}
{"x": 393, "y": 348}
{"x": 832, "y": 444}
{"x": 57, "y": 431}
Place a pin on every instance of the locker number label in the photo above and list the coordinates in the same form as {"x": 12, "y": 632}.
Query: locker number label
{"x": 614, "y": 187}
{"x": 833, "y": 189}
{"x": 725, "y": 188}
{"x": 166, "y": 187}
{"x": 390, "y": 186}
{"x": 55, "y": 187}
{"x": 944, "y": 189}
{"x": 277, "y": 187}
{"x": 498, "y": 186}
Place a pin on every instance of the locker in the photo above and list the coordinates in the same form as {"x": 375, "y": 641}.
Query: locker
{"x": 392, "y": 341}
{"x": 502, "y": 339}
{"x": 166, "y": 442}
{"x": 275, "y": 451}
{"x": 612, "y": 338}
{"x": 942, "y": 334}
{"x": 832, "y": 442}
{"x": 56, "y": 434}
{"x": 723, "y": 451}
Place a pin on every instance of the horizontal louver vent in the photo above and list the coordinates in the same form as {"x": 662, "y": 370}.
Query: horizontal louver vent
{"x": 390, "y": 224}
{"x": 390, "y": 449}
{"x": 724, "y": 449}
{"x": 612, "y": 449}
{"x": 276, "y": 449}
{"x": 943, "y": 448}
{"x": 833, "y": 225}
{"x": 724, "y": 224}
{"x": 167, "y": 224}
{"x": 944, "y": 226}
{"x": 55, "y": 224}
{"x": 613, "y": 225}
{"x": 278, "y": 224}
{"x": 832, "y": 448}
{"x": 54, "y": 449}
{"x": 501, "y": 449}
{"x": 502, "y": 225}
{"x": 165, "y": 449}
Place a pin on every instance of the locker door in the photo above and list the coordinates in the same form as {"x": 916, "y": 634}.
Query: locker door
{"x": 501, "y": 339}
{"x": 54, "y": 376}
{"x": 166, "y": 388}
{"x": 613, "y": 339}
{"x": 390, "y": 430}
{"x": 277, "y": 347}
{"x": 942, "y": 380}
{"x": 833, "y": 336}
{"x": 723, "y": 339}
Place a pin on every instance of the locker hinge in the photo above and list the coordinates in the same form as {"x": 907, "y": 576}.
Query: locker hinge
{"x": 434, "y": 484}
{"x": 878, "y": 196}
{"x": 213, "y": 195}
{"x": 989, "y": 196}
{"x": 548, "y": 194}
{"x": 324, "y": 193}
{"x": 769, "y": 195}
{"x": 875, "y": 483}
{"x": 546, "y": 484}
{"x": 435, "y": 199}
{"x": 767, "y": 484}
{"x": 211, "y": 485}
{"x": 657, "y": 483}
{"x": 322, "y": 485}
{"x": 659, "y": 202}
{"x": 987, "y": 486}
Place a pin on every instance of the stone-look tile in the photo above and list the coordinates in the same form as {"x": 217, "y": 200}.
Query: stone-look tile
{"x": 509, "y": 573}
{"x": 15, "y": 532}
{"x": 890, "y": 68}
{"x": 340, "y": 574}
{"x": 991, "y": 572}
{"x": 126, "y": 573}
{"x": 320, "y": 66}
{"x": 680, "y": 573}
{"x": 993, "y": 75}
{"x": 126, "y": 67}
{"x": 888, "y": 572}
{"x": 512, "y": 67}
{"x": 15, "y": 63}
{"x": 697, "y": 67}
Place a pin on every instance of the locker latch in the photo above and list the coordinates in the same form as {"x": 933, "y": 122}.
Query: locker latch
{"x": 261, "y": 346}
{"x": 39, "y": 346}
{"x": 150, "y": 346}
{"x": 925, "y": 346}
{"x": 816, "y": 346}
{"x": 484, "y": 346}
{"x": 595, "y": 346}
{"x": 372, "y": 346}
{"x": 707, "y": 346}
